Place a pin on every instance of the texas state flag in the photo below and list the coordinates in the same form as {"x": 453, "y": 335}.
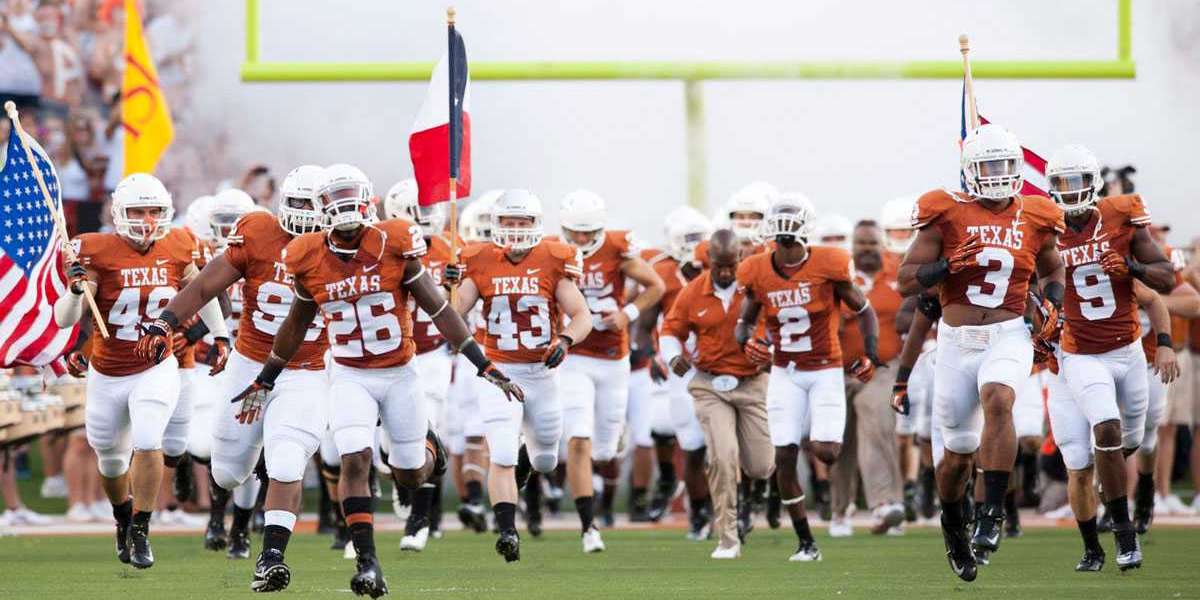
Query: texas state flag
{"x": 1034, "y": 176}
{"x": 440, "y": 143}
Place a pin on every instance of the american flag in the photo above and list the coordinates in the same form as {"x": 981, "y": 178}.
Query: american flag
{"x": 1034, "y": 182}
{"x": 31, "y": 273}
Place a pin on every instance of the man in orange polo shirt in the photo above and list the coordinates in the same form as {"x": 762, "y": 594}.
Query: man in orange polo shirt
{"x": 869, "y": 444}
{"x": 729, "y": 391}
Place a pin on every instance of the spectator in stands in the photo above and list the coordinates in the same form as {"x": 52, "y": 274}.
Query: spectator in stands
{"x": 56, "y": 58}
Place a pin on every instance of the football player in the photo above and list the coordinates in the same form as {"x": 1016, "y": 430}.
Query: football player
{"x": 359, "y": 274}
{"x": 982, "y": 247}
{"x": 832, "y": 230}
{"x": 798, "y": 287}
{"x": 595, "y": 375}
{"x": 133, "y": 273}
{"x": 528, "y": 285}
{"x": 296, "y": 415}
{"x": 1102, "y": 390}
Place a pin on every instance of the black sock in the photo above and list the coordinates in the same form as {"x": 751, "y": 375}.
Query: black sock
{"x": 1010, "y": 508}
{"x": 506, "y": 516}
{"x": 1118, "y": 509}
{"x": 435, "y": 505}
{"x": 218, "y": 498}
{"x": 475, "y": 492}
{"x": 583, "y": 506}
{"x": 695, "y": 505}
{"x": 1091, "y": 537}
{"x": 609, "y": 495}
{"x": 954, "y": 512}
{"x": 533, "y": 494}
{"x": 666, "y": 471}
{"x": 422, "y": 501}
{"x": 637, "y": 497}
{"x": 995, "y": 486}
{"x": 404, "y": 494}
{"x": 275, "y": 538}
{"x": 1143, "y": 494}
{"x": 241, "y": 518}
{"x": 360, "y": 520}
{"x": 141, "y": 518}
{"x": 123, "y": 512}
{"x": 802, "y": 530}
{"x": 928, "y": 480}
{"x": 821, "y": 489}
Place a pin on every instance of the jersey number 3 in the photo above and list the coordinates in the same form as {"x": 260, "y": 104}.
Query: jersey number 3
{"x": 999, "y": 265}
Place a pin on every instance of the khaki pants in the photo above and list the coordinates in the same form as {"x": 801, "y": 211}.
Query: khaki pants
{"x": 735, "y": 429}
{"x": 1180, "y": 393}
{"x": 868, "y": 446}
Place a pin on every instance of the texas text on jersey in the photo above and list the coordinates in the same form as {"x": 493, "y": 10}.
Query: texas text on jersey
{"x": 363, "y": 299}
{"x": 519, "y": 305}
{"x": 1011, "y": 238}
{"x": 133, "y": 288}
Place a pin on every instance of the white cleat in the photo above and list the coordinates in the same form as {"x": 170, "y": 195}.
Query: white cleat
{"x": 348, "y": 553}
{"x": 806, "y": 552}
{"x": 28, "y": 517}
{"x": 887, "y": 516}
{"x": 101, "y": 511}
{"x": 840, "y": 528}
{"x": 401, "y": 509}
{"x": 1176, "y": 506}
{"x": 1160, "y": 506}
{"x": 592, "y": 541}
{"x": 54, "y": 487}
{"x": 79, "y": 513}
{"x": 415, "y": 542}
{"x": 722, "y": 553}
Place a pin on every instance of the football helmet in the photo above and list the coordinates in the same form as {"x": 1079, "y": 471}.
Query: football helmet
{"x": 517, "y": 204}
{"x": 686, "y": 228}
{"x": 896, "y": 219}
{"x": 475, "y": 222}
{"x": 344, "y": 195}
{"x": 992, "y": 160}
{"x": 582, "y": 211}
{"x": 1074, "y": 177}
{"x": 832, "y": 230}
{"x": 401, "y": 201}
{"x": 790, "y": 215}
{"x": 196, "y": 217}
{"x": 142, "y": 190}
{"x": 227, "y": 207}
{"x": 747, "y": 208}
{"x": 298, "y": 210}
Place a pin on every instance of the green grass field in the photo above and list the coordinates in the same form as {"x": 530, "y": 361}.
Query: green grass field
{"x": 638, "y": 564}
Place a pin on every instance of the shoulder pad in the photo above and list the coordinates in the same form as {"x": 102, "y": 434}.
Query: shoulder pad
{"x": 932, "y": 206}
{"x": 1131, "y": 207}
{"x": 1045, "y": 211}
{"x": 301, "y": 250}
{"x": 403, "y": 237}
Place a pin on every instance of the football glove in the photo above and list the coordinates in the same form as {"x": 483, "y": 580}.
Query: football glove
{"x": 218, "y": 355}
{"x": 1044, "y": 356}
{"x": 930, "y": 306}
{"x": 557, "y": 351}
{"x": 1114, "y": 264}
{"x": 900, "y": 397}
{"x": 76, "y": 277}
{"x": 156, "y": 342}
{"x": 77, "y": 364}
{"x": 964, "y": 254}
{"x": 658, "y": 370}
{"x": 253, "y": 399}
{"x": 758, "y": 351}
{"x": 863, "y": 369}
{"x": 1051, "y": 328}
{"x": 493, "y": 376}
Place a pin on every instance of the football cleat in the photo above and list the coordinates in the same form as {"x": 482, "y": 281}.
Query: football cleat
{"x": 533, "y": 520}
{"x": 401, "y": 502}
{"x": 270, "y": 573}
{"x": 660, "y": 503}
{"x": 841, "y": 527}
{"x": 958, "y": 551}
{"x": 1091, "y": 562}
{"x": 239, "y": 544}
{"x": 989, "y": 520}
{"x": 215, "y": 538}
{"x": 183, "y": 481}
{"x": 606, "y": 518}
{"x": 700, "y": 524}
{"x": 416, "y": 534}
{"x": 807, "y": 551}
{"x": 473, "y": 516}
{"x": 509, "y": 546}
{"x": 886, "y": 517}
{"x": 368, "y": 581}
{"x": 722, "y": 553}
{"x": 983, "y": 558}
{"x": 141, "y": 556}
{"x": 123, "y": 543}
{"x": 910, "y": 501}
{"x": 639, "y": 512}
{"x": 1129, "y": 549}
{"x": 591, "y": 541}
{"x": 1012, "y": 529}
{"x": 523, "y": 468}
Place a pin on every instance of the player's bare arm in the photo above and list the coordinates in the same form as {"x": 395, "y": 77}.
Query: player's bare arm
{"x": 1147, "y": 262}
{"x": 1052, "y": 274}
{"x": 868, "y": 326}
{"x": 651, "y": 288}
{"x": 1166, "y": 365}
{"x": 922, "y": 267}
{"x": 156, "y": 340}
{"x": 574, "y": 306}
{"x": 287, "y": 343}
{"x": 1183, "y": 301}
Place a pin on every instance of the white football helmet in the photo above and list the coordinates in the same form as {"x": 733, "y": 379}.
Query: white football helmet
{"x": 896, "y": 221}
{"x": 520, "y": 204}
{"x": 1074, "y": 177}
{"x": 344, "y": 195}
{"x": 401, "y": 201}
{"x": 144, "y": 191}
{"x": 227, "y": 207}
{"x": 686, "y": 228}
{"x": 196, "y": 217}
{"x": 298, "y": 210}
{"x": 992, "y": 160}
{"x": 833, "y": 230}
{"x": 747, "y": 208}
{"x": 475, "y": 222}
{"x": 791, "y": 214}
{"x": 582, "y": 211}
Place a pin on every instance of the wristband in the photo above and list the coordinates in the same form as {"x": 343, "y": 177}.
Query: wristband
{"x": 169, "y": 318}
{"x": 194, "y": 333}
{"x": 632, "y": 311}
{"x": 930, "y": 274}
{"x": 1164, "y": 339}
{"x": 270, "y": 371}
{"x": 473, "y": 353}
{"x": 569, "y": 339}
{"x": 902, "y": 374}
{"x": 1136, "y": 269}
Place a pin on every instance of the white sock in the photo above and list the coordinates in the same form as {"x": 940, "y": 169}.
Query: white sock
{"x": 282, "y": 518}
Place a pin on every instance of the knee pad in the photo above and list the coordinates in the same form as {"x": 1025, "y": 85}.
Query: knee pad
{"x": 408, "y": 456}
{"x": 174, "y": 439}
{"x": 113, "y": 462}
{"x": 348, "y": 440}
{"x": 960, "y": 442}
{"x": 286, "y": 460}
{"x": 544, "y": 462}
{"x": 225, "y": 477}
{"x": 1149, "y": 442}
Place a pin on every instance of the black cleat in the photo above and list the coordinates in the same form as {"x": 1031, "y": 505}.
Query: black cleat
{"x": 700, "y": 524}
{"x": 910, "y": 501}
{"x": 774, "y": 508}
{"x": 509, "y": 546}
{"x": 440, "y": 455}
{"x": 239, "y": 544}
{"x": 123, "y": 543}
{"x": 1129, "y": 549}
{"x": 989, "y": 520}
{"x": 1091, "y": 562}
{"x": 270, "y": 573}
{"x": 523, "y": 468}
{"x": 1143, "y": 515}
{"x": 368, "y": 581}
{"x": 1012, "y": 528}
{"x": 660, "y": 503}
{"x": 534, "y": 521}
{"x": 983, "y": 558}
{"x": 215, "y": 538}
{"x": 473, "y": 516}
{"x": 958, "y": 551}
{"x": 141, "y": 556}
{"x": 184, "y": 482}
{"x": 340, "y": 538}
{"x": 639, "y": 512}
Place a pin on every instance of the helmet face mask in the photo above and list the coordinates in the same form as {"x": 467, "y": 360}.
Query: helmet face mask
{"x": 142, "y": 209}
{"x": 992, "y": 160}
{"x": 344, "y": 196}
{"x": 517, "y": 221}
{"x": 790, "y": 221}
{"x": 1074, "y": 177}
{"x": 298, "y": 210}
{"x": 588, "y": 242}
{"x": 747, "y": 226}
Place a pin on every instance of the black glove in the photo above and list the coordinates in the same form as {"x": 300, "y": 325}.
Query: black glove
{"x": 76, "y": 276}
{"x": 930, "y": 306}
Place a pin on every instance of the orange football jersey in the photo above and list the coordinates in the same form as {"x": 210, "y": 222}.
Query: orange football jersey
{"x": 520, "y": 308}
{"x": 1100, "y": 312}
{"x": 1179, "y": 325}
{"x": 603, "y": 286}
{"x": 801, "y": 311}
{"x": 425, "y": 333}
{"x": 132, "y": 290}
{"x": 652, "y": 256}
{"x": 363, "y": 298}
{"x": 1011, "y": 238}
{"x": 881, "y": 292}
{"x": 265, "y": 294}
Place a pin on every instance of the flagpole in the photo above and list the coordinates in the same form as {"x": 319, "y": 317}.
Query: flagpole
{"x": 11, "y": 108}
{"x": 451, "y": 15}
{"x": 964, "y": 46}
